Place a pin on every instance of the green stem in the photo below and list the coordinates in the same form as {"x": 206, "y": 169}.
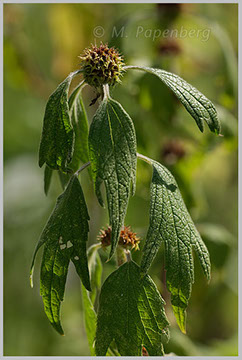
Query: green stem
{"x": 128, "y": 255}
{"x": 106, "y": 94}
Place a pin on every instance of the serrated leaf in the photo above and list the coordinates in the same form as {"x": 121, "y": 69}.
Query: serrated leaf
{"x": 64, "y": 236}
{"x": 95, "y": 269}
{"x": 47, "y": 179}
{"x": 80, "y": 126}
{"x": 171, "y": 224}
{"x": 200, "y": 108}
{"x": 131, "y": 312}
{"x": 112, "y": 152}
{"x": 56, "y": 144}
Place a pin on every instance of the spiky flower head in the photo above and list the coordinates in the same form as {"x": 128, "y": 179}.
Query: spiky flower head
{"x": 101, "y": 65}
{"x": 127, "y": 238}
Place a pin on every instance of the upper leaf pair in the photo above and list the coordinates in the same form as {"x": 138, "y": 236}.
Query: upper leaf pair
{"x": 112, "y": 144}
{"x": 112, "y": 140}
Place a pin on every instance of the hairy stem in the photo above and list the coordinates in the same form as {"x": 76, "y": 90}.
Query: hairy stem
{"x": 106, "y": 94}
{"x": 128, "y": 255}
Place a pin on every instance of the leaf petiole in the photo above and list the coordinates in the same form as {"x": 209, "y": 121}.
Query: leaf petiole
{"x": 144, "y": 158}
{"x": 82, "y": 168}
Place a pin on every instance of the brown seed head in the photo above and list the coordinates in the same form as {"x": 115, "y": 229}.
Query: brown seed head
{"x": 101, "y": 65}
{"x": 127, "y": 238}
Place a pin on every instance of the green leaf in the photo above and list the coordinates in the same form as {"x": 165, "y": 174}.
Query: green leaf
{"x": 131, "y": 311}
{"x": 112, "y": 152}
{"x": 90, "y": 324}
{"x": 64, "y": 236}
{"x": 47, "y": 179}
{"x": 200, "y": 108}
{"x": 80, "y": 126}
{"x": 171, "y": 223}
{"x": 90, "y": 319}
{"x": 95, "y": 270}
{"x": 56, "y": 144}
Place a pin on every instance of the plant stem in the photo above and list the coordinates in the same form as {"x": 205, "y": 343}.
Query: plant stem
{"x": 106, "y": 94}
{"x": 82, "y": 168}
{"x": 144, "y": 158}
{"x": 128, "y": 255}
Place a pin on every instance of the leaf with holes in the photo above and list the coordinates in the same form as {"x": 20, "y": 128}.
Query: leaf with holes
{"x": 200, "y": 108}
{"x": 56, "y": 144}
{"x": 171, "y": 223}
{"x": 112, "y": 152}
{"x": 131, "y": 312}
{"x": 64, "y": 238}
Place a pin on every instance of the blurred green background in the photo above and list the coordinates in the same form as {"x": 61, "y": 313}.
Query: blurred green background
{"x": 41, "y": 47}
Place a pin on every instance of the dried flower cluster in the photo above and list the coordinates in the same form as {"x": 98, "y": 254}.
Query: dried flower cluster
{"x": 127, "y": 238}
{"x": 101, "y": 65}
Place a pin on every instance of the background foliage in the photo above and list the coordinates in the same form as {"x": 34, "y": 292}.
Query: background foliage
{"x": 41, "y": 44}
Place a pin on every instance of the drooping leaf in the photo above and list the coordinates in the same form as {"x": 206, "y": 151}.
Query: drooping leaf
{"x": 200, "y": 108}
{"x": 171, "y": 224}
{"x": 56, "y": 144}
{"x": 112, "y": 152}
{"x": 131, "y": 312}
{"x": 47, "y": 179}
{"x": 80, "y": 126}
{"x": 64, "y": 238}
